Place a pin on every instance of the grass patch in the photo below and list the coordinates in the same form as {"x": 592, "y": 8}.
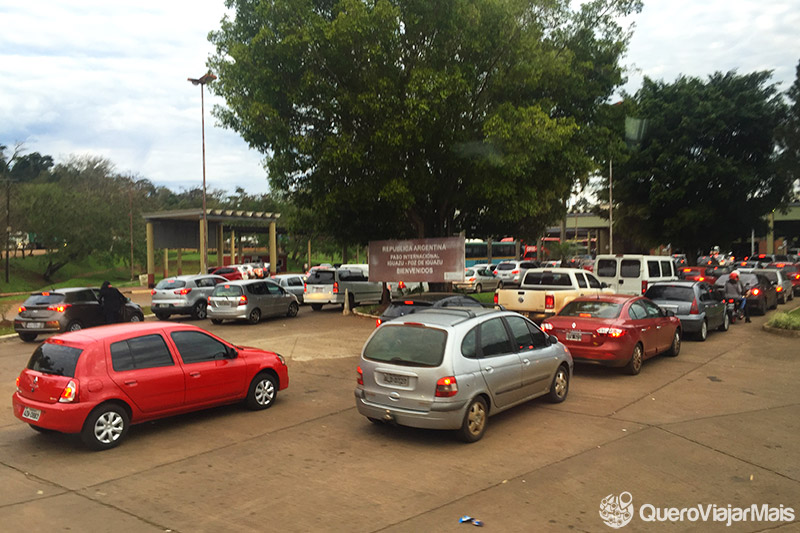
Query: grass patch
{"x": 789, "y": 320}
{"x": 484, "y": 297}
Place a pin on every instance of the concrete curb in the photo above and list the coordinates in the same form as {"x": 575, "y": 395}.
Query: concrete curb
{"x": 782, "y": 332}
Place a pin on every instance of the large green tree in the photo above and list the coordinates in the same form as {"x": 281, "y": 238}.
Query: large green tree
{"x": 391, "y": 118}
{"x": 704, "y": 173}
{"x": 789, "y": 137}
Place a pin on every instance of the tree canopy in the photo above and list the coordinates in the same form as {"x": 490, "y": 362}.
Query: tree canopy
{"x": 393, "y": 118}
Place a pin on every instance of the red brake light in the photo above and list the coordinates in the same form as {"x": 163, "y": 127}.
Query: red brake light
{"x": 495, "y": 298}
{"x": 242, "y": 300}
{"x": 756, "y": 292}
{"x": 360, "y": 378}
{"x": 70, "y": 393}
{"x": 335, "y": 287}
{"x": 471, "y": 280}
{"x": 378, "y": 322}
{"x": 549, "y": 301}
{"x": 611, "y": 332}
{"x": 401, "y": 285}
{"x": 701, "y": 278}
{"x": 687, "y": 269}
{"x": 183, "y": 292}
{"x": 152, "y": 292}
{"x": 515, "y": 271}
{"x": 644, "y": 286}
{"x": 446, "y": 387}
{"x": 22, "y": 308}
{"x": 778, "y": 289}
{"x": 547, "y": 326}
{"x": 408, "y": 302}
{"x": 45, "y": 294}
{"x": 60, "y": 308}
{"x": 305, "y": 288}
{"x": 694, "y": 310}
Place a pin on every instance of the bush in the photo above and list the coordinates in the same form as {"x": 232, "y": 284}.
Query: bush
{"x": 785, "y": 321}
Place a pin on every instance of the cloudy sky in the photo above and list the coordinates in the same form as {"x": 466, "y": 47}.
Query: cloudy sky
{"x": 108, "y": 78}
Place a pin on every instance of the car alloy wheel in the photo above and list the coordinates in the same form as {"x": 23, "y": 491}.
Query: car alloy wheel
{"x": 105, "y": 427}
{"x": 255, "y": 316}
{"x": 560, "y": 386}
{"x": 199, "y": 310}
{"x": 293, "y": 308}
{"x": 634, "y": 366}
{"x": 74, "y": 326}
{"x": 703, "y": 333}
{"x": 136, "y": 318}
{"x": 726, "y": 322}
{"x": 478, "y": 288}
{"x": 262, "y": 392}
{"x": 474, "y": 425}
{"x": 675, "y": 348}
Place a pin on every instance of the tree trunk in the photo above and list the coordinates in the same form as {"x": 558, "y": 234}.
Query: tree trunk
{"x": 52, "y": 269}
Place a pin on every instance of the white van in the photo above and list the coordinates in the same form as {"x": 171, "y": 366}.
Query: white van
{"x": 632, "y": 274}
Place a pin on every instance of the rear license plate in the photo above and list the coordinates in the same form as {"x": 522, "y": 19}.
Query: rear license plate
{"x": 574, "y": 336}
{"x": 34, "y": 325}
{"x": 317, "y": 289}
{"x": 31, "y": 414}
{"x": 394, "y": 379}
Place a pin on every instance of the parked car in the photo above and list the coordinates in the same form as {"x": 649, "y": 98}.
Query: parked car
{"x": 791, "y": 271}
{"x": 761, "y": 293}
{"x": 616, "y": 330}
{"x": 699, "y": 306}
{"x": 783, "y": 285}
{"x": 512, "y": 272}
{"x": 478, "y": 279}
{"x": 293, "y": 283}
{"x": 633, "y": 273}
{"x": 230, "y": 273}
{"x": 250, "y": 300}
{"x": 329, "y": 286}
{"x": 428, "y": 300}
{"x": 452, "y": 368}
{"x": 66, "y": 309}
{"x": 183, "y": 295}
{"x": 99, "y": 381}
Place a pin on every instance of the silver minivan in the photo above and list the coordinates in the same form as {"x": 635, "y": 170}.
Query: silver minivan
{"x": 451, "y": 368}
{"x": 183, "y": 295}
{"x": 292, "y": 283}
{"x": 250, "y": 300}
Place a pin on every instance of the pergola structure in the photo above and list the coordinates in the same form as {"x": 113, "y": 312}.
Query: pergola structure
{"x": 183, "y": 229}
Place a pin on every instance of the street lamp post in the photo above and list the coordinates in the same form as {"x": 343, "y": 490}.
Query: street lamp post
{"x": 201, "y": 81}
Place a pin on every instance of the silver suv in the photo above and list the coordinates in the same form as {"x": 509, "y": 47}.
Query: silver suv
{"x": 452, "y": 368}
{"x": 510, "y": 273}
{"x": 250, "y": 300}
{"x": 183, "y": 295}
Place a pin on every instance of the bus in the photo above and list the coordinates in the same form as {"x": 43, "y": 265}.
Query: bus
{"x": 476, "y": 251}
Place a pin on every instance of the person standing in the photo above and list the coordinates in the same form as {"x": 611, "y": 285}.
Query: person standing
{"x": 112, "y": 301}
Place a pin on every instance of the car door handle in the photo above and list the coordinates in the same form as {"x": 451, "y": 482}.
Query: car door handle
{"x": 526, "y": 361}
{"x": 658, "y": 327}
{"x": 645, "y": 329}
{"x": 131, "y": 382}
{"x": 489, "y": 369}
{"x": 194, "y": 374}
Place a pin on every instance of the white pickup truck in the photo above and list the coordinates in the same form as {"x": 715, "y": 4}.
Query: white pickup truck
{"x": 544, "y": 291}
{"x": 328, "y": 286}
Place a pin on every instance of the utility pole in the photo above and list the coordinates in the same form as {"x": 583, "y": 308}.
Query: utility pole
{"x": 8, "y": 221}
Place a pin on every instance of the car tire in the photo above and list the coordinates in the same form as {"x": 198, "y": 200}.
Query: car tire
{"x": 136, "y": 317}
{"x": 27, "y": 337}
{"x": 316, "y": 307}
{"x": 216, "y": 321}
{"x": 634, "y": 366}
{"x": 475, "y": 419}
{"x": 262, "y": 392}
{"x": 675, "y": 347}
{"x": 702, "y": 335}
{"x": 255, "y": 316}
{"x": 559, "y": 388}
{"x": 478, "y": 288}
{"x": 161, "y": 316}
{"x": 199, "y": 311}
{"x": 293, "y": 309}
{"x": 105, "y": 427}
{"x": 726, "y": 322}
{"x": 74, "y": 326}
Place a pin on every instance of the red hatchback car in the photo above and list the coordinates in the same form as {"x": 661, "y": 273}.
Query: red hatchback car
{"x": 98, "y": 381}
{"x": 615, "y": 330}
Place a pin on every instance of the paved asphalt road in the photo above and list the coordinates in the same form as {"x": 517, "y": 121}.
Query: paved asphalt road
{"x": 717, "y": 425}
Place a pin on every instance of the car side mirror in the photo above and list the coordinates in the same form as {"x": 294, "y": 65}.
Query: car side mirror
{"x": 669, "y": 313}
{"x": 232, "y": 353}
{"x": 604, "y": 285}
{"x": 552, "y": 339}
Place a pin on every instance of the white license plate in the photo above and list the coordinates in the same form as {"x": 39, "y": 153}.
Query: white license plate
{"x": 31, "y": 414}
{"x": 394, "y": 379}
{"x": 574, "y": 336}
{"x": 317, "y": 289}
{"x": 34, "y": 325}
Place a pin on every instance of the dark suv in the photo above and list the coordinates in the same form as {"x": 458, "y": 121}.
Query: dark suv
{"x": 68, "y": 309}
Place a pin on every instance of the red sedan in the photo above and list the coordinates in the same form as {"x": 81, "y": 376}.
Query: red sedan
{"x": 98, "y": 381}
{"x": 615, "y": 330}
{"x": 231, "y": 273}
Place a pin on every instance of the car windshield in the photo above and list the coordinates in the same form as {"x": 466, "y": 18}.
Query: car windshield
{"x": 591, "y": 309}
{"x": 548, "y": 278}
{"x": 55, "y": 359}
{"x": 225, "y": 289}
{"x": 45, "y": 298}
{"x": 407, "y": 345}
{"x": 321, "y": 277}
{"x": 167, "y": 284}
{"x": 670, "y": 292}
{"x": 506, "y": 266}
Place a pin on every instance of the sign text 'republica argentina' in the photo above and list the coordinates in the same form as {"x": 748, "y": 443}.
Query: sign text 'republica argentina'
{"x": 431, "y": 260}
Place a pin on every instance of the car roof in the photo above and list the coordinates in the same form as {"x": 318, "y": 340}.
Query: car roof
{"x": 99, "y": 333}
{"x": 446, "y": 316}
{"x": 683, "y": 283}
{"x": 429, "y": 296}
{"x": 611, "y": 298}
{"x": 63, "y": 290}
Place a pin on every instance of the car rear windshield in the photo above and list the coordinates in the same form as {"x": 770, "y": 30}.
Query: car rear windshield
{"x": 670, "y": 292}
{"x": 223, "y": 289}
{"x": 591, "y": 309}
{"x": 407, "y": 345}
{"x": 45, "y": 298}
{"x": 166, "y": 284}
{"x": 55, "y": 359}
{"x": 321, "y": 277}
{"x": 770, "y": 275}
{"x": 548, "y": 278}
{"x": 506, "y": 266}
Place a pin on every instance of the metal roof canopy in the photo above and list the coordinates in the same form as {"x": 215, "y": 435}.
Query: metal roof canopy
{"x": 181, "y": 228}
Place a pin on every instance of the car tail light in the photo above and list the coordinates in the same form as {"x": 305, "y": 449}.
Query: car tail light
{"x": 70, "y": 393}
{"x": 335, "y": 287}
{"x": 60, "y": 308}
{"x": 360, "y": 378}
{"x": 694, "y": 310}
{"x": 730, "y": 300}
{"x": 701, "y": 278}
{"x": 408, "y": 302}
{"x": 401, "y": 285}
{"x": 18, "y": 390}
{"x": 778, "y": 289}
{"x": 611, "y": 332}
{"x": 549, "y": 301}
{"x": 378, "y": 322}
{"x": 305, "y": 288}
{"x": 495, "y": 298}
{"x": 471, "y": 280}
{"x": 515, "y": 271}
{"x": 183, "y": 292}
{"x": 547, "y": 326}
{"x": 21, "y": 308}
{"x": 756, "y": 292}
{"x": 242, "y": 300}
{"x": 152, "y": 292}
{"x": 446, "y": 387}
{"x": 644, "y": 286}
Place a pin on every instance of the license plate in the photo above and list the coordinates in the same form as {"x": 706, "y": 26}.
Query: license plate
{"x": 34, "y": 325}
{"x": 574, "y": 336}
{"x": 317, "y": 289}
{"x": 31, "y": 414}
{"x": 394, "y": 379}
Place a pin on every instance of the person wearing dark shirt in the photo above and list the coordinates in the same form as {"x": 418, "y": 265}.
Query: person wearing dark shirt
{"x": 112, "y": 302}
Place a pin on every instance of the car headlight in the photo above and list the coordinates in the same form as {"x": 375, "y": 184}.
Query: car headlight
{"x": 281, "y": 359}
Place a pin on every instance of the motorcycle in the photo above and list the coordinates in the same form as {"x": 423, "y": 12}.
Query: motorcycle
{"x": 733, "y": 307}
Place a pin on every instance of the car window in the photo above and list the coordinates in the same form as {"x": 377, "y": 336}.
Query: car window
{"x": 206, "y": 282}
{"x": 148, "y": 351}
{"x": 670, "y": 292}
{"x": 653, "y": 311}
{"x": 169, "y": 284}
{"x": 594, "y": 283}
{"x": 295, "y": 282}
{"x": 506, "y": 266}
{"x": 55, "y": 359}
{"x": 666, "y": 268}
{"x": 469, "y": 346}
{"x": 409, "y": 345}
{"x": 630, "y": 268}
{"x": 273, "y": 289}
{"x": 45, "y": 298}
{"x": 591, "y": 309}
{"x": 653, "y": 269}
{"x": 197, "y": 347}
{"x": 321, "y": 277}
{"x": 494, "y": 338}
{"x": 84, "y": 296}
{"x": 581, "y": 279}
{"x": 257, "y": 288}
{"x": 539, "y": 337}
{"x": 469, "y": 272}
{"x": 561, "y": 279}
{"x": 523, "y": 339}
{"x": 637, "y": 311}
{"x": 607, "y": 268}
